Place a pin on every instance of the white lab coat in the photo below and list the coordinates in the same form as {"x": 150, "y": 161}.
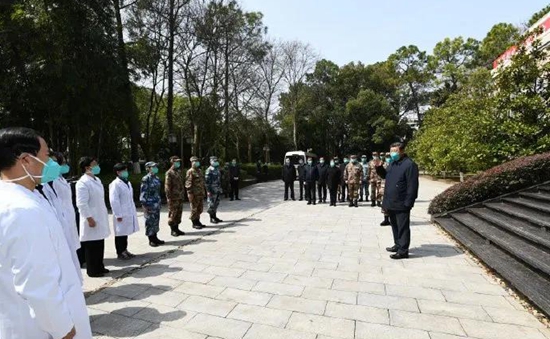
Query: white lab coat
{"x": 60, "y": 198}
{"x": 90, "y": 200}
{"x": 121, "y": 197}
{"x": 40, "y": 292}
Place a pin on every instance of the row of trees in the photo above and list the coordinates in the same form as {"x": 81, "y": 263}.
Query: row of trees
{"x": 137, "y": 77}
{"x": 141, "y": 79}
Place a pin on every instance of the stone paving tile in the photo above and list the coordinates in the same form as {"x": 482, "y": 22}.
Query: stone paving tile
{"x": 258, "y": 331}
{"x": 486, "y": 330}
{"x": 338, "y": 328}
{"x": 206, "y": 305}
{"x": 514, "y": 317}
{"x": 334, "y": 274}
{"x": 161, "y": 297}
{"x": 245, "y": 297}
{"x": 388, "y": 302}
{"x": 121, "y": 305}
{"x": 357, "y": 312}
{"x": 262, "y": 267}
{"x": 453, "y": 310}
{"x": 156, "y": 331}
{"x": 477, "y": 299}
{"x": 426, "y": 322}
{"x": 358, "y": 286}
{"x": 224, "y": 271}
{"x": 414, "y": 292}
{"x": 279, "y": 289}
{"x": 298, "y": 304}
{"x": 260, "y": 315}
{"x": 308, "y": 281}
{"x": 238, "y": 283}
{"x": 377, "y": 331}
{"x": 264, "y": 276}
{"x": 165, "y": 315}
{"x": 203, "y": 290}
{"x": 216, "y": 326}
{"x": 330, "y": 295}
{"x": 116, "y": 325}
{"x": 197, "y": 277}
{"x": 434, "y": 335}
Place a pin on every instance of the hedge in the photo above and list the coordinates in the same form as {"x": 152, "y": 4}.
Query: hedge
{"x": 274, "y": 171}
{"x": 505, "y": 178}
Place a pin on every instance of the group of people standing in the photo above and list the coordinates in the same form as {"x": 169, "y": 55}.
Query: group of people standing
{"x": 392, "y": 178}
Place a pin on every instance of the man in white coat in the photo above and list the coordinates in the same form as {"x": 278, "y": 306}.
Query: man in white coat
{"x": 40, "y": 292}
{"x": 58, "y": 193}
{"x": 94, "y": 217}
{"x": 125, "y": 221}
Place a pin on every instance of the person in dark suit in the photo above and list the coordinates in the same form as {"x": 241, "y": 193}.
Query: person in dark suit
{"x": 400, "y": 194}
{"x": 322, "y": 168}
{"x": 301, "y": 178}
{"x": 333, "y": 180}
{"x": 289, "y": 176}
{"x": 311, "y": 176}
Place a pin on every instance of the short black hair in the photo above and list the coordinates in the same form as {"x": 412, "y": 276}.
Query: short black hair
{"x": 399, "y": 145}
{"x": 60, "y": 158}
{"x": 15, "y": 141}
{"x": 85, "y": 162}
{"x": 120, "y": 167}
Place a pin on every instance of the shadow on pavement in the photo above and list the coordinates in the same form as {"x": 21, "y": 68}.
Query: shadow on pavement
{"x": 434, "y": 250}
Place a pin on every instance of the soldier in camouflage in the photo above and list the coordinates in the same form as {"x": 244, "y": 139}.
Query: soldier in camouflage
{"x": 174, "y": 189}
{"x": 213, "y": 189}
{"x": 374, "y": 179}
{"x": 364, "y": 190}
{"x": 381, "y": 182}
{"x": 194, "y": 183}
{"x": 352, "y": 176}
{"x": 149, "y": 196}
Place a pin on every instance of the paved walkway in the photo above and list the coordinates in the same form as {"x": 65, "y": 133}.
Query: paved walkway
{"x": 287, "y": 270}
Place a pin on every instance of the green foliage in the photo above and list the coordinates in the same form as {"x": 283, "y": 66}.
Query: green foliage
{"x": 506, "y": 178}
{"x": 537, "y": 16}
{"x": 499, "y": 39}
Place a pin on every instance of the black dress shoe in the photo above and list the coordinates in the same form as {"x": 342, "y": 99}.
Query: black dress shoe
{"x": 309, "y": 202}
{"x": 237, "y": 199}
{"x": 96, "y": 275}
{"x": 105, "y": 271}
{"x": 373, "y": 204}
{"x": 385, "y": 223}
{"x": 392, "y": 249}
{"x": 198, "y": 227}
{"x": 153, "y": 244}
{"x": 398, "y": 256}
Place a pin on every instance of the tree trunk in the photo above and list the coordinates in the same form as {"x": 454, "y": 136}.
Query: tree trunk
{"x": 170, "y": 99}
{"x": 128, "y": 107}
{"x": 226, "y": 102}
{"x": 250, "y": 150}
{"x": 294, "y": 132}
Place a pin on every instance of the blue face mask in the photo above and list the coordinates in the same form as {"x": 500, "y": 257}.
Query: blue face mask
{"x": 346, "y": 161}
{"x": 197, "y": 164}
{"x": 310, "y": 163}
{"x": 215, "y": 164}
{"x": 177, "y": 165}
{"x": 155, "y": 170}
{"x": 394, "y": 156}
{"x": 96, "y": 170}
{"x": 124, "y": 175}
{"x": 50, "y": 172}
{"x": 321, "y": 161}
{"x": 332, "y": 164}
{"x": 64, "y": 169}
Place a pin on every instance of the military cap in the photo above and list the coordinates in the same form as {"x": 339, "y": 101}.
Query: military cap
{"x": 375, "y": 153}
{"x": 213, "y": 158}
{"x": 382, "y": 154}
{"x": 364, "y": 156}
{"x": 150, "y": 164}
{"x": 353, "y": 156}
{"x": 335, "y": 158}
{"x": 194, "y": 159}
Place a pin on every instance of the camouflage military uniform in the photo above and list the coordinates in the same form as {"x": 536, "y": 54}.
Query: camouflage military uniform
{"x": 194, "y": 183}
{"x": 382, "y": 182}
{"x": 173, "y": 186}
{"x": 352, "y": 175}
{"x": 149, "y": 197}
{"x": 375, "y": 182}
{"x": 213, "y": 188}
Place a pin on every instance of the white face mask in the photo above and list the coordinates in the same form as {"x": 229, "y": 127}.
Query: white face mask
{"x": 28, "y": 175}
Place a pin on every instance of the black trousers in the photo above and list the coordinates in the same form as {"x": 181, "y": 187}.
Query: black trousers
{"x": 289, "y": 185}
{"x": 343, "y": 195}
{"x": 94, "y": 251}
{"x": 333, "y": 192}
{"x": 234, "y": 191}
{"x": 322, "y": 191}
{"x": 302, "y": 190}
{"x": 121, "y": 244}
{"x": 310, "y": 192}
{"x": 401, "y": 229}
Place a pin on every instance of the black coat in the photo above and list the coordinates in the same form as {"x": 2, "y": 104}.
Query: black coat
{"x": 322, "y": 169}
{"x": 301, "y": 172}
{"x": 234, "y": 172}
{"x": 334, "y": 176}
{"x": 401, "y": 188}
{"x": 289, "y": 173}
{"x": 311, "y": 174}
{"x": 342, "y": 170}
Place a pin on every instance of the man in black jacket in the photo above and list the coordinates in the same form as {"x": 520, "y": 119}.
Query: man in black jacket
{"x": 234, "y": 178}
{"x": 322, "y": 168}
{"x": 301, "y": 178}
{"x": 311, "y": 175}
{"x": 333, "y": 180}
{"x": 289, "y": 176}
{"x": 400, "y": 194}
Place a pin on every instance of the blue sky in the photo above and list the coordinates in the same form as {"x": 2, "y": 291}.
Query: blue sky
{"x": 370, "y": 30}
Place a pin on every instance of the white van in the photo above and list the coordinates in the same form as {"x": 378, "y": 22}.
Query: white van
{"x": 295, "y": 157}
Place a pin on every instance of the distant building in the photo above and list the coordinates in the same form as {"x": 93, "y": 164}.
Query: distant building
{"x": 544, "y": 23}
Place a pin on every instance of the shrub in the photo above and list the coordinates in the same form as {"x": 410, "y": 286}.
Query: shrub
{"x": 506, "y": 178}
{"x": 274, "y": 171}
